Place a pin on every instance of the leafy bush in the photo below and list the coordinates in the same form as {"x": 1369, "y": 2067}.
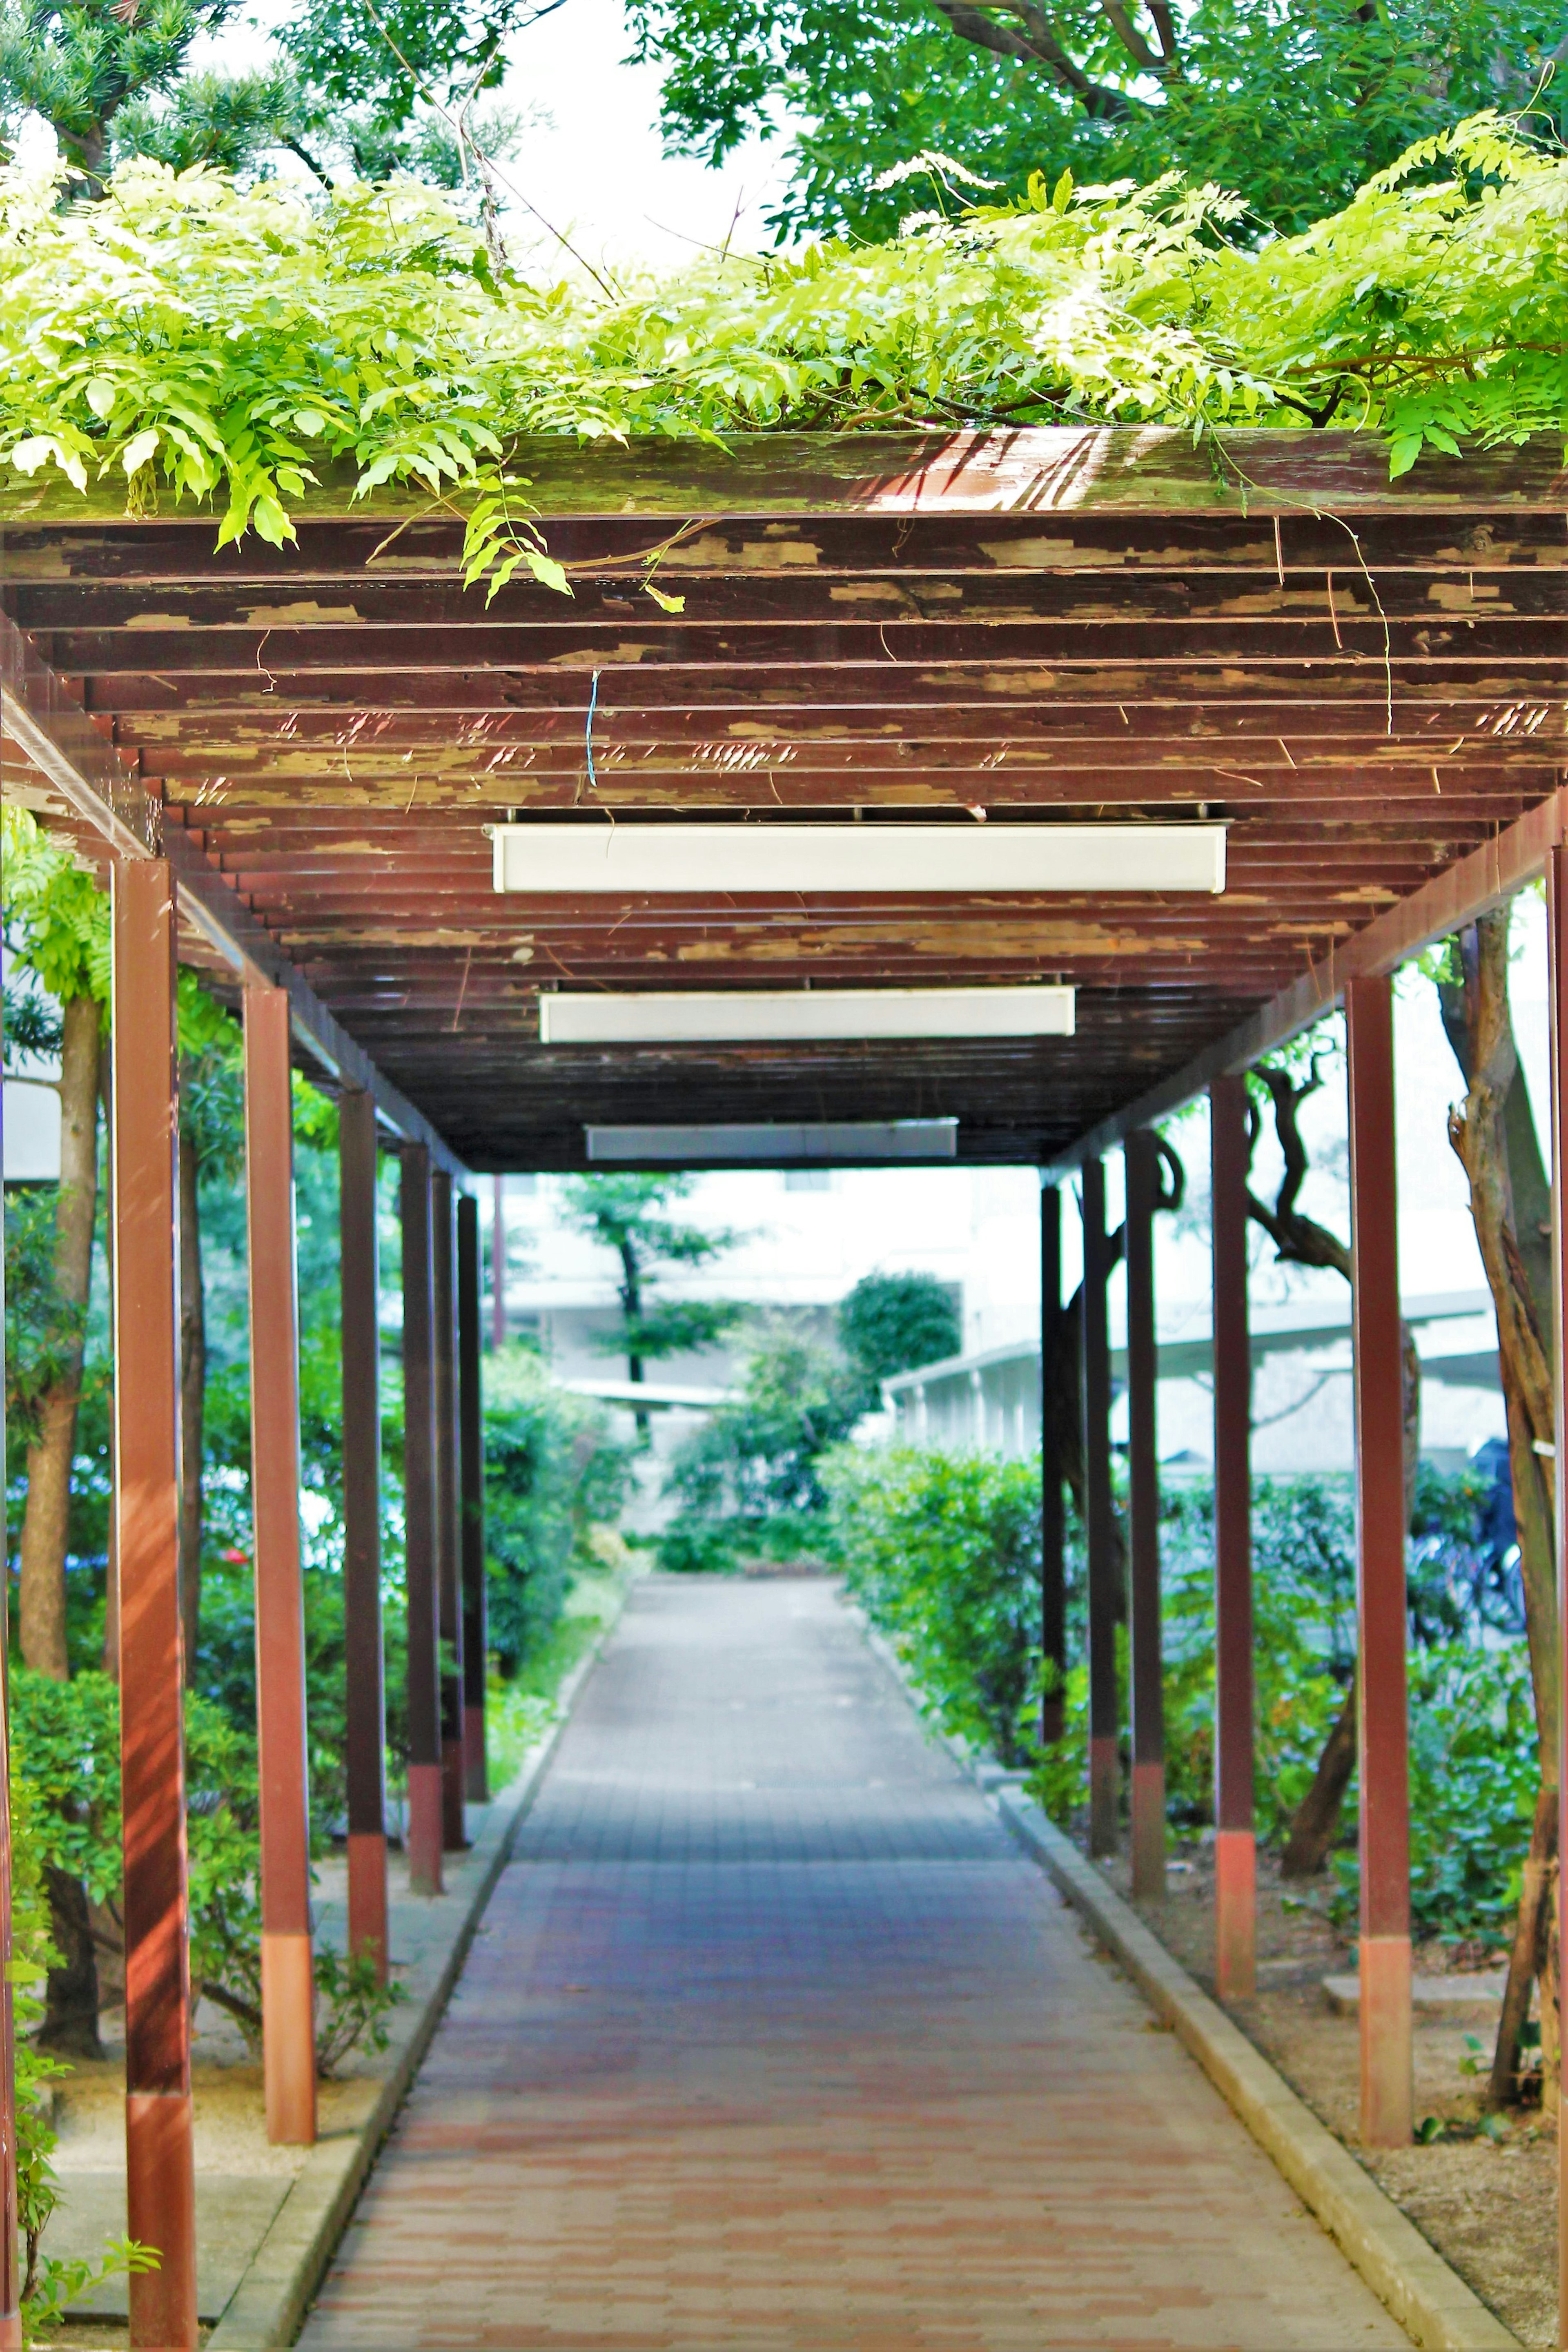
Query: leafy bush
{"x": 943, "y": 1551}
{"x": 748, "y": 1482}
{"x": 891, "y": 1322}
{"x": 552, "y": 1474}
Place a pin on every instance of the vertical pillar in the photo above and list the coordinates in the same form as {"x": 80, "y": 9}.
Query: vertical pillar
{"x": 1053, "y": 1565}
{"x": 424, "y": 1840}
{"x": 363, "y": 1670}
{"x": 1100, "y": 1523}
{"x": 1387, "y": 2092}
{"x": 1141, "y": 1161}
{"x": 160, "y": 2177}
{"x": 498, "y": 1263}
{"x": 471, "y": 1482}
{"x": 1557, "y": 946}
{"x": 288, "y": 1983}
{"x": 449, "y": 1553}
{"x": 1235, "y": 1857}
{"x": 10, "y": 2267}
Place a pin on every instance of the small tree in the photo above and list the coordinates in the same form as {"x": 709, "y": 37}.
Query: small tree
{"x": 629, "y": 1214}
{"x": 891, "y": 1322}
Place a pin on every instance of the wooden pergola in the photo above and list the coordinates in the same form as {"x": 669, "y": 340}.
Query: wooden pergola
{"x": 290, "y": 756}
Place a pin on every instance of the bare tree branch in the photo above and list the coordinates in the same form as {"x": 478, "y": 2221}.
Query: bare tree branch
{"x": 1037, "y": 44}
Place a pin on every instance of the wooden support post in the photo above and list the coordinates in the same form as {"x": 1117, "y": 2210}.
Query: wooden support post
{"x": 448, "y": 1550}
{"x": 160, "y": 2176}
{"x": 364, "y": 1667}
{"x": 1052, "y": 1525}
{"x": 1557, "y": 947}
{"x": 1099, "y": 1522}
{"x": 424, "y": 1837}
{"x": 1235, "y": 1856}
{"x": 1387, "y": 2092}
{"x": 498, "y": 1263}
{"x": 10, "y": 2266}
{"x": 471, "y": 1482}
{"x": 1142, "y": 1159}
{"x": 287, "y": 1981}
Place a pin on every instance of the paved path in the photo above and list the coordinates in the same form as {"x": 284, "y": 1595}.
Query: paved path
{"x": 771, "y": 2038}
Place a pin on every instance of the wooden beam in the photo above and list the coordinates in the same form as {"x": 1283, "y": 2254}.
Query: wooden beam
{"x": 1053, "y": 1516}
{"x": 363, "y": 1652}
{"x": 1044, "y": 470}
{"x": 1444, "y": 905}
{"x": 1141, "y": 1162}
{"x": 109, "y": 794}
{"x": 1099, "y": 1522}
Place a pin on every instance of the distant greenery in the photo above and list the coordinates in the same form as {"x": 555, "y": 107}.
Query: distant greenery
{"x": 552, "y": 1474}
{"x": 747, "y": 1482}
{"x": 892, "y": 1322}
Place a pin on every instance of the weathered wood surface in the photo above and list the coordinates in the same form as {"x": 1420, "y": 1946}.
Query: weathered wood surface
{"x": 1036, "y": 470}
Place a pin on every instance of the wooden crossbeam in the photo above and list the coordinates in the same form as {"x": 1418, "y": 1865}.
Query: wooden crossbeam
{"x": 108, "y": 796}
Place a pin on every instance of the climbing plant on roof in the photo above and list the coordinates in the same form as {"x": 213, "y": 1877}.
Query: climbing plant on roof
{"x": 200, "y": 343}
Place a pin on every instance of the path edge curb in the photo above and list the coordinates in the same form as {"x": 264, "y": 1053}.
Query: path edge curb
{"x": 1425, "y": 2295}
{"x": 268, "y": 2308}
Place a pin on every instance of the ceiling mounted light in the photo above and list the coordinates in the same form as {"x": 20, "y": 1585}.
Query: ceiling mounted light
{"x": 624, "y": 859}
{"x": 834, "y": 1142}
{"x": 714, "y": 1017}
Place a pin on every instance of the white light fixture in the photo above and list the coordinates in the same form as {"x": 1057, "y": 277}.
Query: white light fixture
{"x": 623, "y": 858}
{"x": 832, "y": 1140}
{"x": 710, "y": 1016}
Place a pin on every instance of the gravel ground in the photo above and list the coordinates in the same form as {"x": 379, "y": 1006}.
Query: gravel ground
{"x": 1490, "y": 2206}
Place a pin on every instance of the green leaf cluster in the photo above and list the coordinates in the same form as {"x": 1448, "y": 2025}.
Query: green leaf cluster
{"x": 197, "y": 343}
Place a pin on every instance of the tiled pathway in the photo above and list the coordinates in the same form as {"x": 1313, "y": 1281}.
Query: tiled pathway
{"x": 772, "y": 2039}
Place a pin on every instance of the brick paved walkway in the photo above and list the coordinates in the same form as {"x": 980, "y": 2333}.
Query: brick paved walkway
{"x": 772, "y": 2039}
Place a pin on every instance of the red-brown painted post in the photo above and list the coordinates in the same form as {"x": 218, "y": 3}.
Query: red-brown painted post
{"x": 424, "y": 1837}
{"x": 1100, "y": 1523}
{"x": 1557, "y": 948}
{"x": 10, "y": 2267}
{"x": 1235, "y": 1851}
{"x": 498, "y": 1263}
{"x": 160, "y": 2176}
{"x": 1141, "y": 1161}
{"x": 288, "y": 1981}
{"x": 448, "y": 1550}
{"x": 1387, "y": 2091}
{"x": 1052, "y": 1525}
{"x": 364, "y": 1668}
{"x": 471, "y": 1481}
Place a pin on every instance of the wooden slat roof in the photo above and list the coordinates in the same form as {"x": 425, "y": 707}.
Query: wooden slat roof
{"x": 1365, "y": 680}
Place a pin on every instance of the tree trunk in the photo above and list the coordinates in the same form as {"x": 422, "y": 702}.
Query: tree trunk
{"x": 1494, "y": 1119}
{"x": 1528, "y": 1956}
{"x": 631, "y": 1308}
{"x": 71, "y": 2013}
{"x": 192, "y": 1401}
{"x": 1318, "y": 1815}
{"x": 46, "y": 1528}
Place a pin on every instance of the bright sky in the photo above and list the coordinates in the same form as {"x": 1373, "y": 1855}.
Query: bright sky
{"x": 592, "y": 162}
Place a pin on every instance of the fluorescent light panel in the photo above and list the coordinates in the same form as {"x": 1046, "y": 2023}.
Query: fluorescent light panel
{"x": 644, "y": 1018}
{"x": 624, "y": 859}
{"x": 776, "y": 1147}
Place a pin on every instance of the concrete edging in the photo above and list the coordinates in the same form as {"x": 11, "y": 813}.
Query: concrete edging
{"x": 268, "y": 2306}
{"x": 1430, "y": 2299}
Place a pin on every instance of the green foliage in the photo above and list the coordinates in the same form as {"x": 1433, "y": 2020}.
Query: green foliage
{"x": 1290, "y": 103}
{"x": 76, "y": 62}
{"x": 55, "y": 917}
{"x": 891, "y": 1322}
{"x": 627, "y": 1214}
{"x": 747, "y": 1482}
{"x": 43, "y": 1330}
{"x": 198, "y": 343}
{"x": 551, "y": 1475}
{"x": 943, "y": 1553}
